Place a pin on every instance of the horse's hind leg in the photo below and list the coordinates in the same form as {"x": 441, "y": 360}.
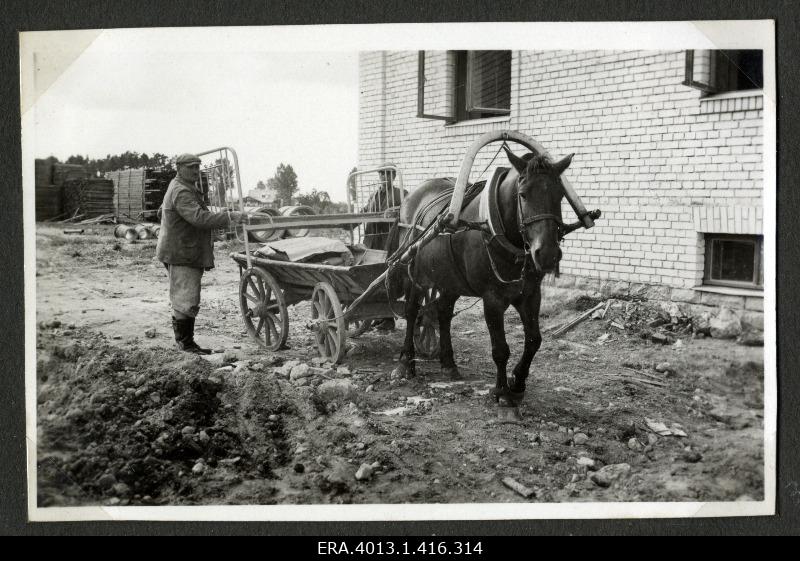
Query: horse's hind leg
{"x": 528, "y": 308}
{"x": 445, "y": 313}
{"x": 493, "y": 311}
{"x": 406, "y": 367}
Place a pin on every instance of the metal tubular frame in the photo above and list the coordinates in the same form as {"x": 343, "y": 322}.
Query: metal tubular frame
{"x": 527, "y": 142}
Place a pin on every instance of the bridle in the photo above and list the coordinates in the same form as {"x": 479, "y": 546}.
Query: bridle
{"x": 523, "y": 221}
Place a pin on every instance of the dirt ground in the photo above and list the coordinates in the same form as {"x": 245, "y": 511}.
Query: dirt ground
{"x": 123, "y": 418}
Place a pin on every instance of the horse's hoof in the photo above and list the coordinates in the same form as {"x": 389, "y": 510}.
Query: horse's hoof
{"x": 451, "y": 372}
{"x": 516, "y": 397}
{"x": 400, "y": 372}
{"x": 508, "y": 414}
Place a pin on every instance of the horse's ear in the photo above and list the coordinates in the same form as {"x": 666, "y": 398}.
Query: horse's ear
{"x": 563, "y": 164}
{"x": 518, "y": 163}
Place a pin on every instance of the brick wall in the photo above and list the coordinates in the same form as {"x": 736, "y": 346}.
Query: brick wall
{"x": 655, "y": 157}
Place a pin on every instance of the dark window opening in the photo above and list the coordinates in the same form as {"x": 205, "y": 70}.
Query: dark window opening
{"x": 733, "y": 260}
{"x": 480, "y": 86}
{"x": 724, "y": 71}
{"x": 483, "y": 84}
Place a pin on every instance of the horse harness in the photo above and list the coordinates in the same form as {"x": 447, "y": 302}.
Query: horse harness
{"x": 490, "y": 224}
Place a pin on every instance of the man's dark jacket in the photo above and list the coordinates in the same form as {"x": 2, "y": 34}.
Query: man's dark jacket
{"x": 186, "y": 227}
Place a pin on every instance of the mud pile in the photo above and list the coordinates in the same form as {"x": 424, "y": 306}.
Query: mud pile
{"x": 144, "y": 426}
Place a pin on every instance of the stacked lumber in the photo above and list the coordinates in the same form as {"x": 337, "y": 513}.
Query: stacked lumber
{"x": 48, "y": 196}
{"x": 88, "y": 197}
{"x": 68, "y": 172}
{"x": 155, "y": 186}
{"x": 48, "y": 202}
{"x": 128, "y": 191}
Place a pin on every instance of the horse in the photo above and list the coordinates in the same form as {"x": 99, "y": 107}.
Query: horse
{"x": 470, "y": 262}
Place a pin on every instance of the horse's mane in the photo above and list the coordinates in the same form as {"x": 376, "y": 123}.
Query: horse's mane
{"x": 540, "y": 163}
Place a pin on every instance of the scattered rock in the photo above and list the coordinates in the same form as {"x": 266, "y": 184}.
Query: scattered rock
{"x": 188, "y": 430}
{"x": 607, "y": 475}
{"x": 273, "y": 418}
{"x": 586, "y": 462}
{"x": 751, "y": 339}
{"x": 580, "y": 439}
{"x": 518, "y": 487}
{"x": 702, "y": 324}
{"x": 121, "y": 490}
{"x": 107, "y": 481}
{"x": 150, "y": 333}
{"x": 691, "y": 456}
{"x": 663, "y": 367}
{"x": 300, "y": 371}
{"x": 203, "y": 437}
{"x": 336, "y": 389}
{"x": 199, "y": 468}
{"x": 662, "y": 338}
{"x": 364, "y": 472}
{"x": 635, "y": 445}
{"x": 726, "y": 325}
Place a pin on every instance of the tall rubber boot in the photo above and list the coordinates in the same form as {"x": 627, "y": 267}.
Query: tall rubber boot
{"x": 184, "y": 336}
{"x": 194, "y": 346}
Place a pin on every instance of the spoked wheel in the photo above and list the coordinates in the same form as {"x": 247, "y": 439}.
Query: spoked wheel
{"x": 358, "y": 327}
{"x": 263, "y": 308}
{"x": 330, "y": 329}
{"x": 426, "y": 329}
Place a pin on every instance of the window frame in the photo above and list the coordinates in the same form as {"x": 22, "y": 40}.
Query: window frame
{"x": 708, "y": 88}
{"x": 758, "y": 272}
{"x": 462, "y": 103}
{"x": 469, "y": 93}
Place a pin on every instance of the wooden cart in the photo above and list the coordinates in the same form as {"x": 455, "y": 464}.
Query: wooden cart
{"x": 267, "y": 287}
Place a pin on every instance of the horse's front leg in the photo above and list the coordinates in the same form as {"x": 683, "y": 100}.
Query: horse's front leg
{"x": 493, "y": 311}
{"x": 528, "y": 308}
{"x": 406, "y": 367}
{"x": 444, "y": 311}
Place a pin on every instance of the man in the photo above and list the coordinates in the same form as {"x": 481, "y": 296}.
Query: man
{"x": 186, "y": 246}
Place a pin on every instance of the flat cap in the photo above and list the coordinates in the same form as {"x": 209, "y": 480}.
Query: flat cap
{"x": 187, "y": 159}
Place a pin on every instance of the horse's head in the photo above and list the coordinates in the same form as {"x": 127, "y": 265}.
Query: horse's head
{"x": 539, "y": 194}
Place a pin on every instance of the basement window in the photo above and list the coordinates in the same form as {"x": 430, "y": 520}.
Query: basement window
{"x": 734, "y": 260}
{"x": 720, "y": 71}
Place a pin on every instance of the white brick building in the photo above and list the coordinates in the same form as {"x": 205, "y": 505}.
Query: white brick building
{"x": 667, "y": 144}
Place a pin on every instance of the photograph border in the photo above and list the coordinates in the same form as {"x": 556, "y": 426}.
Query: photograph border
{"x": 111, "y": 512}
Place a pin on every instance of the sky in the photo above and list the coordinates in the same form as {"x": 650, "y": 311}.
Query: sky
{"x": 177, "y": 95}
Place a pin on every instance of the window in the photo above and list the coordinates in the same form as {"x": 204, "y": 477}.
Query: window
{"x": 734, "y": 260}
{"x": 716, "y": 72}
{"x": 479, "y": 84}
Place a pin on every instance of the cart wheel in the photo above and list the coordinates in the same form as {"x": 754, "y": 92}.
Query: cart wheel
{"x": 330, "y": 329}
{"x": 263, "y": 308}
{"x": 426, "y": 329}
{"x": 358, "y": 327}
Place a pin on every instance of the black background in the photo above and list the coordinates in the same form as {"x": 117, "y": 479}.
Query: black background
{"x": 16, "y": 16}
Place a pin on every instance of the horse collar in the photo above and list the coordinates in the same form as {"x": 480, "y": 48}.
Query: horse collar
{"x": 489, "y": 212}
